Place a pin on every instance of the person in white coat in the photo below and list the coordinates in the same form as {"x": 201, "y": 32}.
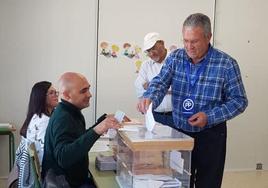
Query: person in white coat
{"x": 154, "y": 46}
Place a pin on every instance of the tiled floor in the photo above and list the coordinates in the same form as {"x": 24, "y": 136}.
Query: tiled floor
{"x": 250, "y": 179}
{"x": 245, "y": 179}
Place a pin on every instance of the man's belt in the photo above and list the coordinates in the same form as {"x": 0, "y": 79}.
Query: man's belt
{"x": 164, "y": 113}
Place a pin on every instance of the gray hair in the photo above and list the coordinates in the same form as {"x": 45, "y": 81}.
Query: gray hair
{"x": 199, "y": 20}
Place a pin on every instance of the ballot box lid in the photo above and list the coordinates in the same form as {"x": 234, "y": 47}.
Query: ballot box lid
{"x": 162, "y": 138}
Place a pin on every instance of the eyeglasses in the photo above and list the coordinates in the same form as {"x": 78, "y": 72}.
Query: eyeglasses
{"x": 155, "y": 48}
{"x": 151, "y": 50}
{"x": 52, "y": 92}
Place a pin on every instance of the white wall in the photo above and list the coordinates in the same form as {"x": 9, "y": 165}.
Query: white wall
{"x": 241, "y": 31}
{"x": 39, "y": 40}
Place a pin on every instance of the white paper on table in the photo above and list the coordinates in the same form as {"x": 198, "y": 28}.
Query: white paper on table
{"x": 111, "y": 133}
{"x": 149, "y": 135}
{"x": 129, "y": 128}
{"x": 149, "y": 118}
{"x": 100, "y": 145}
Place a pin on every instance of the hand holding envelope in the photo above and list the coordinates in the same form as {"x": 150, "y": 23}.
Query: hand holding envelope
{"x": 109, "y": 122}
{"x": 145, "y": 107}
{"x": 149, "y": 118}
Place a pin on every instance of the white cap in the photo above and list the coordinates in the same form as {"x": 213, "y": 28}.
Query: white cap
{"x": 149, "y": 40}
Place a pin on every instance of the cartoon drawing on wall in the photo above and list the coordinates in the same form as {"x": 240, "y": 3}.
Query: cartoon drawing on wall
{"x": 104, "y": 49}
{"x": 138, "y": 65}
{"x": 132, "y": 51}
{"x": 172, "y": 48}
{"x": 115, "y": 49}
{"x": 137, "y": 51}
{"x": 127, "y": 49}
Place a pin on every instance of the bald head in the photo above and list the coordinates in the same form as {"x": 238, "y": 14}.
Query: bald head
{"x": 68, "y": 80}
{"x": 74, "y": 88}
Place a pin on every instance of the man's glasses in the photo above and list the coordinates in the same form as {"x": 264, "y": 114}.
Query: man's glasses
{"x": 148, "y": 52}
{"x": 153, "y": 49}
{"x": 52, "y": 92}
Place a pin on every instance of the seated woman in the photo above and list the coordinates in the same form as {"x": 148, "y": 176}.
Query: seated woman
{"x": 43, "y": 100}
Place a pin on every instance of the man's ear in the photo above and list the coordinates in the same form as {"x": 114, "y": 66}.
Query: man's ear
{"x": 66, "y": 95}
{"x": 209, "y": 37}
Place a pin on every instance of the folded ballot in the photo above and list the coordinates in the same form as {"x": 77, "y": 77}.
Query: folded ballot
{"x": 149, "y": 119}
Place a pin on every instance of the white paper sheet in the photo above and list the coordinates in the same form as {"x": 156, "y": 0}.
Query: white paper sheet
{"x": 149, "y": 118}
{"x": 119, "y": 115}
{"x": 129, "y": 128}
{"x": 100, "y": 146}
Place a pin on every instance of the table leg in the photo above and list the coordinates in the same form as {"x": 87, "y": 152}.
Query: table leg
{"x": 11, "y": 150}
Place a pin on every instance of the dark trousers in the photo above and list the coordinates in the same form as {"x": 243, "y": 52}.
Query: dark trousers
{"x": 208, "y": 157}
{"x": 88, "y": 184}
{"x": 164, "y": 117}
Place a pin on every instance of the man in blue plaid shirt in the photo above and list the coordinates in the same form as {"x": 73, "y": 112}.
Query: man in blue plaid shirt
{"x": 207, "y": 90}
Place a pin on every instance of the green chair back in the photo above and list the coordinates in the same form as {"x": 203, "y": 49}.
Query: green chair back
{"x": 35, "y": 165}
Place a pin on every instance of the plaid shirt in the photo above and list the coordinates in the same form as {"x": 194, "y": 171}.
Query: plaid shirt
{"x": 219, "y": 91}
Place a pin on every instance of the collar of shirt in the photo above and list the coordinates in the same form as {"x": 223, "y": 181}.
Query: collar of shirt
{"x": 204, "y": 58}
{"x": 71, "y": 108}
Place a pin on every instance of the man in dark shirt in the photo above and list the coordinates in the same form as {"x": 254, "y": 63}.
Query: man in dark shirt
{"x": 67, "y": 142}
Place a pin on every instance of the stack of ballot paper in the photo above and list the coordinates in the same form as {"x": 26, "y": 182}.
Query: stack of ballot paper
{"x": 104, "y": 163}
{"x": 155, "y": 181}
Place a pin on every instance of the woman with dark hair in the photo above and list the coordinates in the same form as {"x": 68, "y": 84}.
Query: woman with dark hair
{"x": 43, "y": 100}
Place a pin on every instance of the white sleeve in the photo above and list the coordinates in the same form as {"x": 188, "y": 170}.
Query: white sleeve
{"x": 40, "y": 135}
{"x": 141, "y": 79}
{"x": 36, "y": 133}
{"x": 42, "y": 131}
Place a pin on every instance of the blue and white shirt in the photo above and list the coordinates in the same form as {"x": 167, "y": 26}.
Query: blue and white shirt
{"x": 219, "y": 90}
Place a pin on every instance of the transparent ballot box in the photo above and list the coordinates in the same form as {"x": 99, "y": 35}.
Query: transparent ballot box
{"x": 161, "y": 158}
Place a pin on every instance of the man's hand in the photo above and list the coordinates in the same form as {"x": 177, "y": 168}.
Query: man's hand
{"x": 199, "y": 119}
{"x": 108, "y": 123}
{"x": 145, "y": 85}
{"x": 143, "y": 105}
